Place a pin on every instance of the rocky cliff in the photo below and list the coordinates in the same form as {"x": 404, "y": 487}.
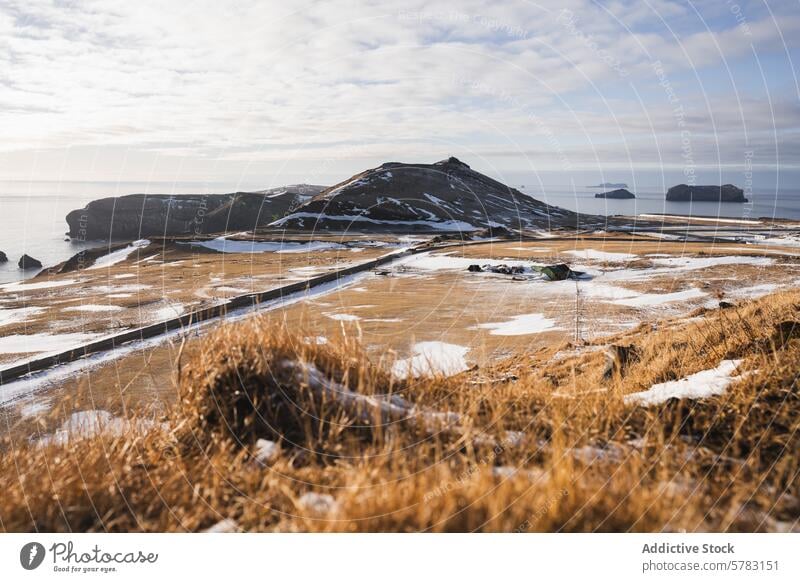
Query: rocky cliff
{"x": 686, "y": 193}
{"x": 140, "y": 215}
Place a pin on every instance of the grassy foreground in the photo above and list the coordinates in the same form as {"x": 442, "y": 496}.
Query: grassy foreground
{"x": 544, "y": 442}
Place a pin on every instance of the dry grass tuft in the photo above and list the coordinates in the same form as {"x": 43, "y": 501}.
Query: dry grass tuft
{"x": 539, "y": 443}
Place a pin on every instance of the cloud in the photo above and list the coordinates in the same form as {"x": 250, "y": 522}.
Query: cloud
{"x": 258, "y": 80}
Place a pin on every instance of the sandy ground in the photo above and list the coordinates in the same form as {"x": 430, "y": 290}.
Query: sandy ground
{"x": 422, "y": 314}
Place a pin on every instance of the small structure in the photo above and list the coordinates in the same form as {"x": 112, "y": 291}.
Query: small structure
{"x": 559, "y": 272}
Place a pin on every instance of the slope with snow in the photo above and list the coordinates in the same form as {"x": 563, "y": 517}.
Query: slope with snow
{"x": 445, "y": 196}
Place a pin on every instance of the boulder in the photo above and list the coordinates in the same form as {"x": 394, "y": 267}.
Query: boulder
{"x": 686, "y": 193}
{"x": 619, "y": 194}
{"x": 3, "y": 257}
{"x": 28, "y": 262}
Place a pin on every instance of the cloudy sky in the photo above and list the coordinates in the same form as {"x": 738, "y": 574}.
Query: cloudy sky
{"x": 270, "y": 91}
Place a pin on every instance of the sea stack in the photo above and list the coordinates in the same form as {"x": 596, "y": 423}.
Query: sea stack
{"x": 686, "y": 193}
{"x": 618, "y": 194}
{"x": 28, "y": 262}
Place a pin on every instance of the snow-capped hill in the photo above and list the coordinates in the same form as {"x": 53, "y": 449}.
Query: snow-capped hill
{"x": 447, "y": 195}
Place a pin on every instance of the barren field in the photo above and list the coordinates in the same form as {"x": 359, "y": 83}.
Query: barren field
{"x": 526, "y": 394}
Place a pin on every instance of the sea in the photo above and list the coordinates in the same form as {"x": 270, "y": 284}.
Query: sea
{"x": 33, "y": 213}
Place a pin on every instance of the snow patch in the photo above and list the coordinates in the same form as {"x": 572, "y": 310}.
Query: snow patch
{"x": 433, "y": 358}
{"x": 528, "y": 323}
{"x": 700, "y": 385}
{"x": 224, "y": 245}
{"x": 94, "y": 308}
{"x": 8, "y": 316}
{"x": 15, "y": 287}
{"x": 42, "y": 342}
{"x": 342, "y": 316}
{"x": 118, "y": 256}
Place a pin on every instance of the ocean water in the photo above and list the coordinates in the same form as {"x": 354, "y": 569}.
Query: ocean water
{"x": 783, "y": 203}
{"x": 33, "y": 213}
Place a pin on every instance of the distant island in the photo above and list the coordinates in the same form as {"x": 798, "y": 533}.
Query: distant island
{"x": 686, "y": 193}
{"x": 609, "y": 185}
{"x": 619, "y": 194}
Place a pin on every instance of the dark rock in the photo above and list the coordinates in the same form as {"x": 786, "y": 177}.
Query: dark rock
{"x": 504, "y": 269}
{"x": 27, "y": 262}
{"x": 139, "y": 215}
{"x": 685, "y": 193}
{"x": 620, "y": 194}
{"x": 475, "y": 269}
{"x": 3, "y": 257}
{"x": 726, "y": 305}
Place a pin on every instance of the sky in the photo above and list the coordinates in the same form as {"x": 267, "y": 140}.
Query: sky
{"x": 274, "y": 92}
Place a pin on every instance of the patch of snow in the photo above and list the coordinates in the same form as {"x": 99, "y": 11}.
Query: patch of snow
{"x": 34, "y": 408}
{"x": 342, "y": 316}
{"x": 319, "y": 504}
{"x": 448, "y": 225}
{"x": 700, "y": 385}
{"x": 125, "y": 276}
{"x": 521, "y": 325}
{"x": 8, "y": 316}
{"x": 595, "y": 255}
{"x": 755, "y": 291}
{"x": 787, "y": 241}
{"x": 226, "y": 289}
{"x": 19, "y": 286}
{"x": 42, "y": 342}
{"x": 168, "y": 311}
{"x": 432, "y": 358}
{"x": 224, "y": 245}
{"x": 650, "y": 299}
{"x": 88, "y": 423}
{"x": 105, "y": 289}
{"x": 118, "y": 256}
{"x": 694, "y": 263}
{"x": 266, "y": 451}
{"x": 94, "y": 308}
{"x": 226, "y": 525}
{"x": 119, "y": 295}
{"x": 700, "y": 219}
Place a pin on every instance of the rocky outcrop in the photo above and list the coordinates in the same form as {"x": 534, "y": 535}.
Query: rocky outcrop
{"x": 619, "y": 194}
{"x": 686, "y": 193}
{"x": 139, "y": 215}
{"x": 3, "y": 257}
{"x": 28, "y": 262}
{"x": 445, "y": 196}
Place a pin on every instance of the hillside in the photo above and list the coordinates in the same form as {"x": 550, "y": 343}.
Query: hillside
{"x": 447, "y": 195}
{"x": 141, "y": 215}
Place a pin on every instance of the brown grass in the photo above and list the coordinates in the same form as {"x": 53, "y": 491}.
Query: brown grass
{"x": 580, "y": 459}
